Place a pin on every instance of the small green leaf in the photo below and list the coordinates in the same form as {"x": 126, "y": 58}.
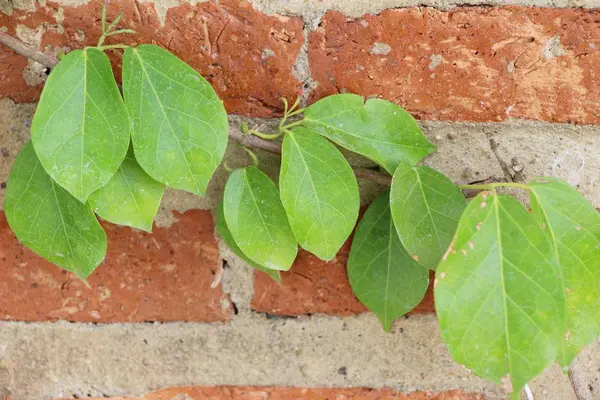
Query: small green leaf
{"x": 179, "y": 125}
{"x": 426, "y": 207}
{"x": 496, "y": 293}
{"x": 377, "y": 129}
{"x": 257, "y": 220}
{"x": 80, "y": 129}
{"x": 383, "y": 276}
{"x": 318, "y": 191}
{"x": 573, "y": 226}
{"x": 225, "y": 234}
{"x": 131, "y": 197}
{"x": 49, "y": 221}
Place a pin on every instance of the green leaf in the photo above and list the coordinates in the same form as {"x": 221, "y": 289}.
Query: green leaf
{"x": 49, "y": 221}
{"x": 573, "y": 226}
{"x": 179, "y": 125}
{"x": 257, "y": 220}
{"x": 225, "y": 234}
{"x": 426, "y": 207}
{"x": 376, "y": 129}
{"x": 383, "y": 276}
{"x": 318, "y": 191}
{"x": 496, "y": 293}
{"x": 80, "y": 129}
{"x": 131, "y": 197}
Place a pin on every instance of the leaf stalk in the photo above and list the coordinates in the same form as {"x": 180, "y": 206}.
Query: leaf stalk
{"x": 493, "y": 186}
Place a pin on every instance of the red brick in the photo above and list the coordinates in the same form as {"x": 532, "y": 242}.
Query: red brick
{"x": 314, "y": 286}
{"x": 247, "y": 56}
{"x": 493, "y": 62}
{"x": 286, "y": 393}
{"x": 164, "y": 276}
{"x": 12, "y": 83}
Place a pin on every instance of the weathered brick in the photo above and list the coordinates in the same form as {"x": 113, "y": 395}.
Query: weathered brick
{"x": 164, "y": 276}
{"x": 315, "y": 286}
{"x": 468, "y": 63}
{"x": 247, "y": 56}
{"x": 287, "y": 393}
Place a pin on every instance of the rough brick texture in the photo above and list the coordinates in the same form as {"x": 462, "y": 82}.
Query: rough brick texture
{"x": 246, "y": 55}
{"x": 164, "y": 276}
{"x": 469, "y": 63}
{"x": 283, "y": 393}
{"x": 314, "y": 286}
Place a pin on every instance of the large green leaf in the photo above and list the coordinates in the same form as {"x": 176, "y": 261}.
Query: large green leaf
{"x": 130, "y": 198}
{"x": 225, "y": 234}
{"x": 179, "y": 125}
{"x": 80, "y": 129}
{"x": 49, "y": 221}
{"x": 497, "y": 293}
{"x": 426, "y": 207}
{"x": 573, "y": 226}
{"x": 377, "y": 129}
{"x": 383, "y": 276}
{"x": 257, "y": 220}
{"x": 318, "y": 191}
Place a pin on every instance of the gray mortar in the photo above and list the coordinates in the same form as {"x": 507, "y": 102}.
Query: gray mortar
{"x": 357, "y": 8}
{"x": 585, "y": 373}
{"x": 464, "y": 154}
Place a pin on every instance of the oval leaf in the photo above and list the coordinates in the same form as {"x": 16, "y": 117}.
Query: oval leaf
{"x": 318, "y": 191}
{"x": 49, "y": 221}
{"x": 80, "y": 129}
{"x": 426, "y": 207}
{"x": 131, "y": 197}
{"x": 225, "y": 234}
{"x": 179, "y": 125}
{"x": 377, "y": 129}
{"x": 257, "y": 220}
{"x": 496, "y": 293}
{"x": 383, "y": 276}
{"x": 573, "y": 226}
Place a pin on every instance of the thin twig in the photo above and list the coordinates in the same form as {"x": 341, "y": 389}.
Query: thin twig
{"x": 28, "y": 51}
{"x": 274, "y": 147}
{"x": 494, "y": 146}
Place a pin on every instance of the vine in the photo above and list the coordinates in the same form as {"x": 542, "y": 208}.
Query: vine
{"x": 515, "y": 289}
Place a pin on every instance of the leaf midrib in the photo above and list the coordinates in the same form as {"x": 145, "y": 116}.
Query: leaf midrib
{"x": 265, "y": 226}
{"x": 503, "y": 284}
{"x": 437, "y": 234}
{"x": 366, "y": 138}
{"x": 62, "y": 220}
{"x": 142, "y": 62}
{"x": 137, "y": 206}
{"x": 387, "y": 278}
{"x": 292, "y": 136}
{"x": 85, "y": 96}
{"x": 563, "y": 354}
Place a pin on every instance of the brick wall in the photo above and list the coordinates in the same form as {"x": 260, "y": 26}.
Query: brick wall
{"x": 173, "y": 314}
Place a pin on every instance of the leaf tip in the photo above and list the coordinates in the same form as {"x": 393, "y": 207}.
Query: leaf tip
{"x": 146, "y": 226}
{"x": 386, "y": 323}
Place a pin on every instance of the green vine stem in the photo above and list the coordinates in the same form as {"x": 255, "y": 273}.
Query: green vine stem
{"x": 252, "y": 156}
{"x": 265, "y": 136}
{"x": 108, "y": 31}
{"x": 112, "y": 46}
{"x": 493, "y": 186}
